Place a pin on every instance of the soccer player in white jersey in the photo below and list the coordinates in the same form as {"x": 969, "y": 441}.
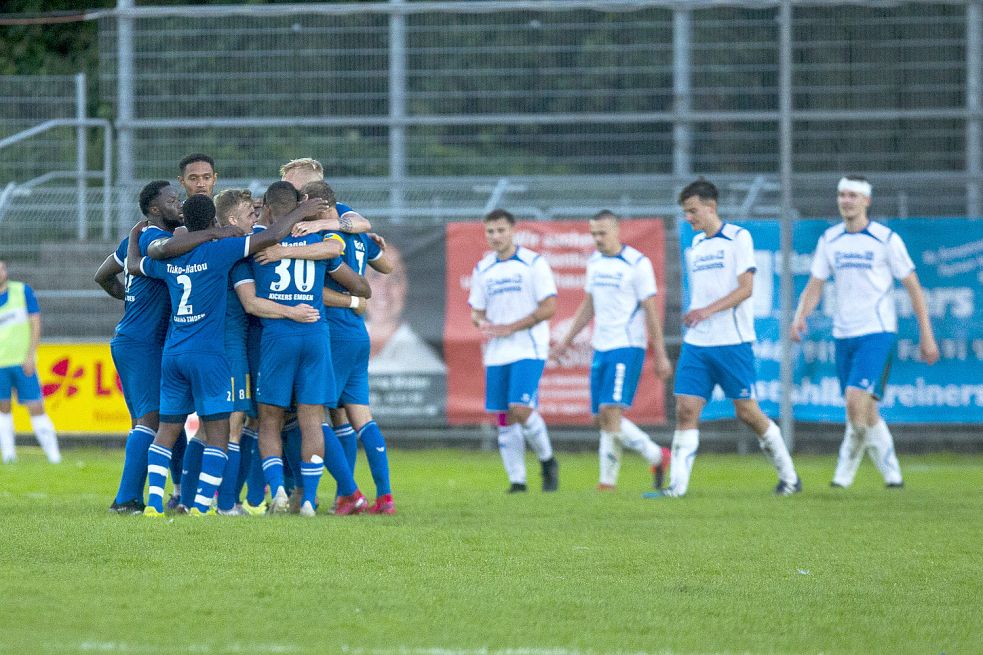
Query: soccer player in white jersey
{"x": 513, "y": 296}
{"x": 717, "y": 343}
{"x": 620, "y": 296}
{"x": 864, "y": 259}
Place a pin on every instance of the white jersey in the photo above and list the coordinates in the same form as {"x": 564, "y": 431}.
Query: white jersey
{"x": 713, "y": 264}
{"x": 508, "y": 290}
{"x": 618, "y": 284}
{"x": 864, "y": 266}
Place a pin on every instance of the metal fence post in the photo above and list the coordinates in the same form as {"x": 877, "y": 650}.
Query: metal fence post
{"x": 81, "y": 157}
{"x": 124, "y": 104}
{"x": 397, "y": 108}
{"x": 786, "y": 289}
{"x": 682, "y": 138}
{"x": 974, "y": 105}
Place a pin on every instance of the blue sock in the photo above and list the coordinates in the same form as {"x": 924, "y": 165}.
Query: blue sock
{"x": 191, "y": 471}
{"x": 177, "y": 460}
{"x": 247, "y": 447}
{"x": 256, "y": 481}
{"x": 213, "y": 461}
{"x": 334, "y": 460}
{"x": 227, "y": 495}
{"x": 349, "y": 444}
{"x": 134, "y": 474}
{"x": 375, "y": 453}
{"x": 291, "y": 458}
{"x": 273, "y": 472}
{"x": 158, "y": 461}
{"x": 311, "y": 472}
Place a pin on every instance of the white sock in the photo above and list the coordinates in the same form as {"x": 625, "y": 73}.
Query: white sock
{"x": 634, "y": 438}
{"x": 773, "y": 445}
{"x": 513, "y": 451}
{"x": 609, "y": 456}
{"x": 538, "y": 438}
{"x": 44, "y": 430}
{"x": 684, "y": 446}
{"x": 851, "y": 452}
{"x": 7, "y": 449}
{"x": 881, "y": 450}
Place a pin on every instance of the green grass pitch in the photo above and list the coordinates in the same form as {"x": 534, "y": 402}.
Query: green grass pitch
{"x": 465, "y": 569}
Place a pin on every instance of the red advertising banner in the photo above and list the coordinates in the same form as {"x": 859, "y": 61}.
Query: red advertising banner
{"x": 564, "y": 391}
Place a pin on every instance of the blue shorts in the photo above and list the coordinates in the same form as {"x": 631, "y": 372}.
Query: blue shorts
{"x": 296, "y": 368}
{"x": 138, "y": 365}
{"x": 702, "y": 367}
{"x": 513, "y": 384}
{"x": 864, "y": 362}
{"x": 351, "y": 370}
{"x": 28, "y": 386}
{"x": 195, "y": 382}
{"x": 614, "y": 377}
{"x": 235, "y": 352}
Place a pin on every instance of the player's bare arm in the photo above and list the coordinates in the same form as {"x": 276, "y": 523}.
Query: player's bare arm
{"x": 107, "y": 277}
{"x": 808, "y": 302}
{"x": 264, "y": 308}
{"x": 926, "y": 344}
{"x": 356, "y": 284}
{"x": 663, "y": 367}
{"x": 382, "y": 263}
{"x": 581, "y": 318}
{"x": 351, "y": 222}
{"x": 184, "y": 242}
{"x": 281, "y": 228}
{"x": 334, "y": 298}
{"x": 133, "y": 248}
{"x": 745, "y": 286}
{"x": 30, "y": 364}
{"x": 327, "y": 249}
{"x": 543, "y": 312}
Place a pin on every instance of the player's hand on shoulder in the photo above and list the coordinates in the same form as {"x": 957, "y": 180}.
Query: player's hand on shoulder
{"x": 229, "y": 231}
{"x": 139, "y": 227}
{"x": 379, "y": 241}
{"x": 269, "y": 255}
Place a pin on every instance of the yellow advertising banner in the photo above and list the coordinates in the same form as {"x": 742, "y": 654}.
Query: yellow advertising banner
{"x": 82, "y": 392}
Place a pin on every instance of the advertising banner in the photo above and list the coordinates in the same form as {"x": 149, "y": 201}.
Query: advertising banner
{"x": 564, "y": 391}
{"x": 82, "y": 393}
{"x": 405, "y": 317}
{"x": 948, "y": 255}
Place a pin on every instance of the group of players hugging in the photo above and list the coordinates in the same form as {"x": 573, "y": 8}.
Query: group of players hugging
{"x": 248, "y": 312}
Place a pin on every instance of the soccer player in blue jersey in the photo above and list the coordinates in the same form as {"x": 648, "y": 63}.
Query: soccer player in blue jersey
{"x": 295, "y": 364}
{"x": 864, "y": 258}
{"x": 139, "y": 336}
{"x": 194, "y": 372}
{"x": 350, "y": 357}
{"x": 717, "y": 343}
{"x": 620, "y": 298}
{"x": 20, "y": 335}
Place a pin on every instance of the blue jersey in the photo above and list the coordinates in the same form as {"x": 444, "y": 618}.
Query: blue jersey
{"x": 146, "y": 305}
{"x": 198, "y": 285}
{"x": 345, "y": 323}
{"x": 293, "y": 282}
{"x": 235, "y": 316}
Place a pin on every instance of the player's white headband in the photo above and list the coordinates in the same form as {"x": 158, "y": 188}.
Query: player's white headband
{"x": 857, "y": 186}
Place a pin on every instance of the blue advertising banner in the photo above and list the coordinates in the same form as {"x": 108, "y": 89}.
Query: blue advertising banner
{"x": 948, "y": 254}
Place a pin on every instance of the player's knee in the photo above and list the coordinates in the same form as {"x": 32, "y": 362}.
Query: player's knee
{"x": 519, "y": 414}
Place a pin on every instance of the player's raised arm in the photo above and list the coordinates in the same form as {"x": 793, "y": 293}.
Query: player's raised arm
{"x": 281, "y": 228}
{"x": 133, "y": 248}
{"x": 327, "y": 249}
{"x": 107, "y": 278}
{"x": 184, "y": 242}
